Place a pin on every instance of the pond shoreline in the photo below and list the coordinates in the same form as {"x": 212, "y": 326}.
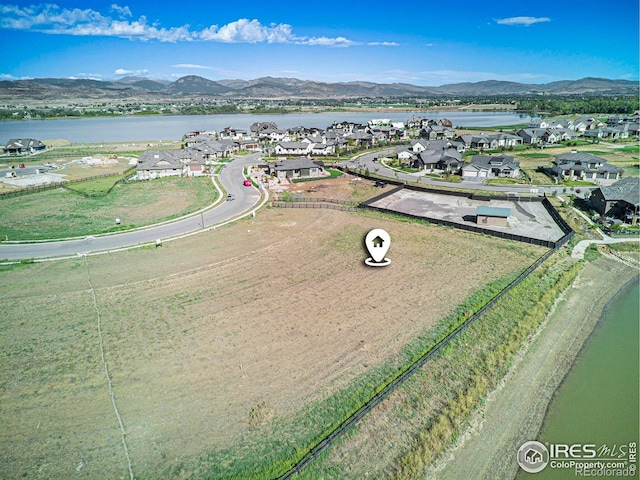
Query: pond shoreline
{"x": 515, "y": 411}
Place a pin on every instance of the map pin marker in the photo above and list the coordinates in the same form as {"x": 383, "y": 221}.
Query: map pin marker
{"x": 377, "y": 242}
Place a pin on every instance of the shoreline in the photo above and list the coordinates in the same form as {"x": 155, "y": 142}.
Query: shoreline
{"x": 515, "y": 411}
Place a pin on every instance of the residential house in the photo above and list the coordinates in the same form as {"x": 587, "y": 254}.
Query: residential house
{"x": 438, "y": 132}
{"x": 292, "y": 148}
{"x": 233, "y": 134}
{"x": 437, "y": 155}
{"x": 328, "y": 148}
{"x": 248, "y": 145}
{"x": 538, "y": 136}
{"x": 406, "y": 156}
{"x": 474, "y": 141}
{"x": 23, "y": 146}
{"x": 447, "y": 161}
{"x": 298, "y": 168}
{"x": 258, "y": 128}
{"x": 608, "y": 133}
{"x": 420, "y": 145}
{"x": 620, "y": 200}
{"x": 583, "y": 166}
{"x": 503, "y": 140}
{"x": 492, "y": 166}
{"x": 157, "y": 164}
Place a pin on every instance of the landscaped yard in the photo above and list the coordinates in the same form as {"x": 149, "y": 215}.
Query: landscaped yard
{"x": 61, "y": 213}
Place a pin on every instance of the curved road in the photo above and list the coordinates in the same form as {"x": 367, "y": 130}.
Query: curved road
{"x": 366, "y": 161}
{"x": 231, "y": 179}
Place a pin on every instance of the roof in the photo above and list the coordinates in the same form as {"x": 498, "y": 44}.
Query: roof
{"x": 296, "y": 164}
{"x": 578, "y": 157}
{"x": 293, "y": 145}
{"x": 493, "y": 212}
{"x": 627, "y": 189}
{"x": 495, "y": 161}
{"x": 20, "y": 143}
{"x": 158, "y": 160}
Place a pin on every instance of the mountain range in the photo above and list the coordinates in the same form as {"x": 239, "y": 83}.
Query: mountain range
{"x": 278, "y": 88}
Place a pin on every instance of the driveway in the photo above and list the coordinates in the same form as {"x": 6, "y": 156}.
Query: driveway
{"x": 231, "y": 179}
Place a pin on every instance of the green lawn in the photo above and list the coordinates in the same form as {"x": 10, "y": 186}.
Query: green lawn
{"x": 96, "y": 186}
{"x": 60, "y": 213}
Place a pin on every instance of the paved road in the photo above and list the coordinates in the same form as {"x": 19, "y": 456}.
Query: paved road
{"x": 231, "y": 179}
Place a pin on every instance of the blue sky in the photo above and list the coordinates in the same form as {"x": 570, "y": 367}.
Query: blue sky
{"x": 425, "y": 42}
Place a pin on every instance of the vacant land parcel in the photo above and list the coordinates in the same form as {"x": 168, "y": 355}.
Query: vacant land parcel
{"x": 229, "y": 351}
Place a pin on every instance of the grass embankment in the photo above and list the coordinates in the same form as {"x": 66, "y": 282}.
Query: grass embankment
{"x": 414, "y": 425}
{"x": 97, "y": 186}
{"x": 482, "y": 356}
{"x": 61, "y": 213}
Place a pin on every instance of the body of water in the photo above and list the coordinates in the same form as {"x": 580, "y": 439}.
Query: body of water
{"x": 598, "y": 401}
{"x": 148, "y": 128}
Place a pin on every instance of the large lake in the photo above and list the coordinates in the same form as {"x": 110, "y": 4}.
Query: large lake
{"x": 598, "y": 401}
{"x": 123, "y": 129}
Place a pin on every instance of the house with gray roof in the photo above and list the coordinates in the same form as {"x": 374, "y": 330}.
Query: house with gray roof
{"x": 23, "y": 146}
{"x": 535, "y": 136}
{"x": 474, "y": 141}
{"x": 583, "y": 166}
{"x": 297, "y": 168}
{"x": 447, "y": 160}
{"x": 491, "y": 166}
{"x": 157, "y": 164}
{"x": 620, "y": 200}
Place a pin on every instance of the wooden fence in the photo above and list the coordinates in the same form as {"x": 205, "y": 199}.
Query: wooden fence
{"x": 128, "y": 173}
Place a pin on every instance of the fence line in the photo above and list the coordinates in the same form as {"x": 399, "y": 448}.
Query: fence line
{"x": 315, "y": 200}
{"x": 329, "y": 206}
{"x": 128, "y": 173}
{"x": 419, "y": 363}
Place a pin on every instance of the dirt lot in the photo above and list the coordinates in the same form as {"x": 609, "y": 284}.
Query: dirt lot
{"x": 346, "y": 187}
{"x": 529, "y": 219}
{"x": 216, "y": 342}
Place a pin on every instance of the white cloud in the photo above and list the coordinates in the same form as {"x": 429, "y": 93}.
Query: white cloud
{"x": 248, "y": 31}
{"x": 192, "y": 66}
{"x": 53, "y": 19}
{"x": 526, "y": 21}
{"x": 123, "y": 71}
{"x": 383, "y": 44}
{"x": 123, "y": 11}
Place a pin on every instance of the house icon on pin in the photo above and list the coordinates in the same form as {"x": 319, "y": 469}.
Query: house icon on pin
{"x": 533, "y": 456}
{"x": 378, "y": 242}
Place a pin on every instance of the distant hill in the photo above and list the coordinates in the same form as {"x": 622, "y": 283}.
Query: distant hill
{"x": 273, "y": 88}
{"x": 195, "y": 84}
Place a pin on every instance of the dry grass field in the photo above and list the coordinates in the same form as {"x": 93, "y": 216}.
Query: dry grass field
{"x": 225, "y": 349}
